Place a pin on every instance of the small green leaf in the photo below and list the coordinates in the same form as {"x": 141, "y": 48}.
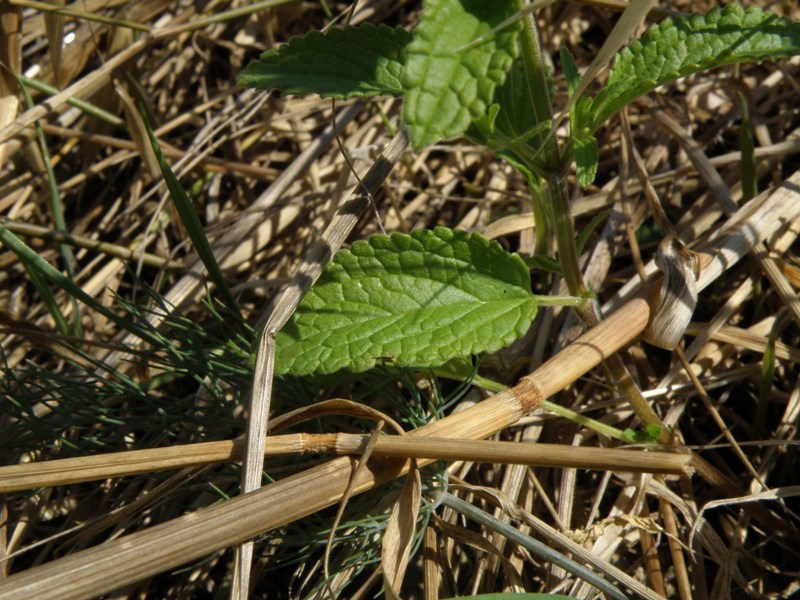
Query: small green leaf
{"x": 571, "y": 73}
{"x": 510, "y": 128}
{"x": 649, "y": 436}
{"x": 580, "y": 243}
{"x": 680, "y": 46}
{"x": 543, "y": 262}
{"x": 517, "y": 121}
{"x": 586, "y": 158}
{"x": 653, "y": 432}
{"x": 447, "y": 82}
{"x": 354, "y": 61}
{"x": 583, "y": 142}
{"x": 482, "y": 130}
{"x": 414, "y": 300}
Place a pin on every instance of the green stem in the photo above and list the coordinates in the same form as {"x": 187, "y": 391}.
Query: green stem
{"x": 57, "y": 210}
{"x": 565, "y": 237}
{"x": 541, "y": 221}
{"x": 559, "y": 209}
{"x": 536, "y": 78}
{"x": 574, "y": 301}
{"x": 588, "y": 422}
{"x": 538, "y": 86}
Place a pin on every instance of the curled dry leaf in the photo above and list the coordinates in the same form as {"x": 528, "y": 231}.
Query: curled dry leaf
{"x": 399, "y": 537}
{"x": 678, "y": 296}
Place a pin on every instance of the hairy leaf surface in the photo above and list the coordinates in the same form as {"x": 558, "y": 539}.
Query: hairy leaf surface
{"x": 354, "y": 61}
{"x": 449, "y": 78}
{"x": 414, "y": 300}
{"x": 680, "y": 46}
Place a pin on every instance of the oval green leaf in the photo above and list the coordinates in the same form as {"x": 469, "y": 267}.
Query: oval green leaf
{"x": 414, "y": 300}
{"x": 448, "y": 81}
{"x": 354, "y": 61}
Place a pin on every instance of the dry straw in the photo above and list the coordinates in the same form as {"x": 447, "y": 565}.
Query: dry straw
{"x": 130, "y": 558}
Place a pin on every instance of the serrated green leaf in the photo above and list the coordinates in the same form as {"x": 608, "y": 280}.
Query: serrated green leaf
{"x": 414, "y": 300}
{"x": 680, "y": 46}
{"x": 341, "y": 63}
{"x": 583, "y": 143}
{"x": 571, "y": 73}
{"x": 447, "y": 82}
{"x": 586, "y": 158}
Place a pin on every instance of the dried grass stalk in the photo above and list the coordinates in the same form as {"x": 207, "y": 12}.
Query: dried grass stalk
{"x": 130, "y": 558}
{"x": 29, "y": 476}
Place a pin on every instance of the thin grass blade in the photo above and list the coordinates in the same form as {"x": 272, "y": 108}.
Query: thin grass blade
{"x": 748, "y": 164}
{"x": 193, "y": 226}
{"x": 46, "y": 270}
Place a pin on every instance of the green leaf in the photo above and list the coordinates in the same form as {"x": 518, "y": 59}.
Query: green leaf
{"x": 583, "y": 142}
{"x": 543, "y": 262}
{"x": 649, "y": 436}
{"x": 354, "y": 61}
{"x": 194, "y": 228}
{"x": 580, "y": 243}
{"x": 571, "y": 73}
{"x": 449, "y": 83}
{"x": 510, "y": 128}
{"x": 414, "y": 300}
{"x": 586, "y": 158}
{"x": 516, "y": 120}
{"x": 680, "y": 46}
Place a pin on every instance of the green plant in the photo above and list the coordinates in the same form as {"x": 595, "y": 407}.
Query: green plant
{"x": 415, "y": 300}
{"x": 470, "y": 68}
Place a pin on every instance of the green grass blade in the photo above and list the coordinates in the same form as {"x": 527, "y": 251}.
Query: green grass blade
{"x": 83, "y": 105}
{"x": 47, "y": 271}
{"x": 537, "y": 548}
{"x": 193, "y": 226}
{"x": 748, "y": 150}
{"x": 768, "y": 373}
{"x": 47, "y": 297}
{"x": 57, "y": 210}
{"x": 84, "y": 15}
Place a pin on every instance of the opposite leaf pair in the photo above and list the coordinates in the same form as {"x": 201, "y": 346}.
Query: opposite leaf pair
{"x": 458, "y": 78}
